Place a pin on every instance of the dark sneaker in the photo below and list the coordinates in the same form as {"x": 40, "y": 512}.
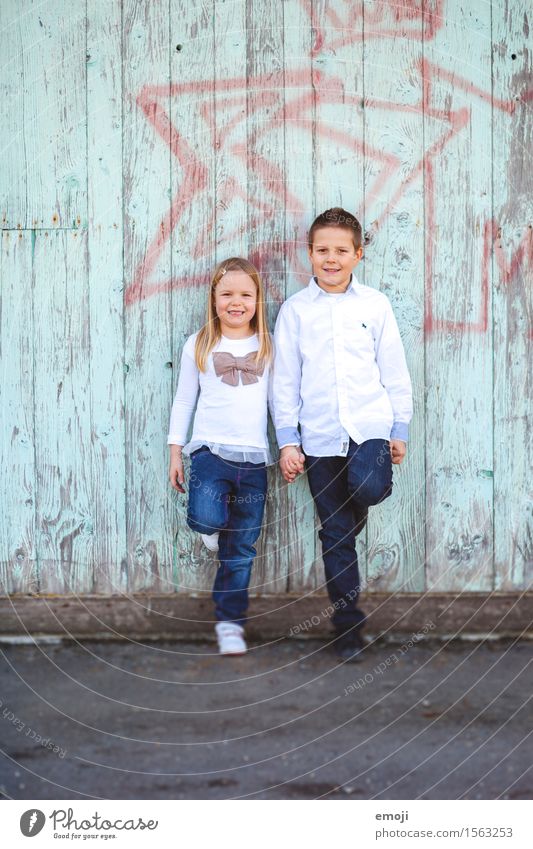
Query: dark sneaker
{"x": 349, "y": 647}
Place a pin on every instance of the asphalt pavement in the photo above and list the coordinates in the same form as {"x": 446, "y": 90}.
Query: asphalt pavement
{"x": 173, "y": 720}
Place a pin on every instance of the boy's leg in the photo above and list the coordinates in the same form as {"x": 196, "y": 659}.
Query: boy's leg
{"x": 328, "y": 483}
{"x": 236, "y": 542}
{"x": 369, "y": 473}
{"x": 209, "y": 489}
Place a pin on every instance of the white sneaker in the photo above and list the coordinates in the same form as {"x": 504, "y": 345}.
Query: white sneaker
{"x": 210, "y": 541}
{"x": 230, "y": 638}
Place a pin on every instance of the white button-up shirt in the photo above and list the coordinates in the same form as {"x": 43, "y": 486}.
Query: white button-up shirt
{"x": 339, "y": 370}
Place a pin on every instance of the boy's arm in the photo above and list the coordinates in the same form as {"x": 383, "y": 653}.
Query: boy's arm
{"x": 390, "y": 357}
{"x": 286, "y": 379}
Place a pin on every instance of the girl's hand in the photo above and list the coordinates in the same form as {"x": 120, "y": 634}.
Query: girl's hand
{"x": 398, "y": 449}
{"x": 291, "y": 462}
{"x": 175, "y": 471}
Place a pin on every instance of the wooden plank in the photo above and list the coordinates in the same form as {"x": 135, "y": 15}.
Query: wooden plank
{"x": 193, "y": 226}
{"x": 512, "y": 268}
{"x": 458, "y": 344}
{"x": 265, "y": 62}
{"x": 296, "y": 534}
{"x": 18, "y": 567}
{"x": 338, "y": 130}
{"x": 394, "y": 263}
{"x": 106, "y": 285}
{"x": 147, "y": 325}
{"x": 43, "y": 177}
{"x": 13, "y": 175}
{"x": 339, "y": 163}
{"x": 64, "y": 511}
{"x": 226, "y": 113}
{"x": 392, "y": 616}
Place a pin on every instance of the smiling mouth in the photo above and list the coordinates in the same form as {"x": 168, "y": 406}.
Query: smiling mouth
{"x": 235, "y": 312}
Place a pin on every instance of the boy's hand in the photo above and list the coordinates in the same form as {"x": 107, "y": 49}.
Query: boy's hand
{"x": 175, "y": 471}
{"x": 398, "y": 450}
{"x": 291, "y": 462}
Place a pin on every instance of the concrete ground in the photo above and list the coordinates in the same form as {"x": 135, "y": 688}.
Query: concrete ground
{"x": 172, "y": 720}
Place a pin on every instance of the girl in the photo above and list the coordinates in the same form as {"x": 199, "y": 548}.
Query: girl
{"x": 228, "y": 361}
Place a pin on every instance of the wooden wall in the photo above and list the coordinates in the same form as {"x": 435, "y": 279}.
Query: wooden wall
{"x": 142, "y": 142}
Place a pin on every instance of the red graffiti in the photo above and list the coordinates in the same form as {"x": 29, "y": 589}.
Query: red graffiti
{"x": 521, "y": 261}
{"x": 413, "y": 19}
{"x": 458, "y": 121}
{"x": 288, "y": 98}
{"x": 522, "y": 257}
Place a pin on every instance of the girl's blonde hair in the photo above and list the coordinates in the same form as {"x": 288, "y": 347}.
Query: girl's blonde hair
{"x": 210, "y": 334}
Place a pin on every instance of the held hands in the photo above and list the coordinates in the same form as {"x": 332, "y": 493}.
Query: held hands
{"x": 291, "y": 462}
{"x": 175, "y": 471}
{"x": 398, "y": 449}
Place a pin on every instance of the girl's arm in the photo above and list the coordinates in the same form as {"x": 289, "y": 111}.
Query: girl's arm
{"x": 180, "y": 417}
{"x": 175, "y": 471}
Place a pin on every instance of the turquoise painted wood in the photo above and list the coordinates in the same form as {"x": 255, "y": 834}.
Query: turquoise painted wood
{"x": 147, "y": 320}
{"x": 338, "y": 133}
{"x": 265, "y": 156}
{"x": 43, "y": 132}
{"x": 144, "y": 142}
{"x": 394, "y": 262}
{"x": 512, "y": 270}
{"x": 64, "y": 491}
{"x": 459, "y": 484}
{"x": 298, "y": 546}
{"x": 106, "y": 296}
{"x": 18, "y": 559}
{"x": 193, "y": 238}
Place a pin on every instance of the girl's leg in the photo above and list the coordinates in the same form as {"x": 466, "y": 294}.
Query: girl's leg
{"x": 327, "y": 478}
{"x": 209, "y": 490}
{"x": 236, "y": 542}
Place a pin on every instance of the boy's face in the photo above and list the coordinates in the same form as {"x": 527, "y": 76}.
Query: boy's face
{"x": 333, "y": 257}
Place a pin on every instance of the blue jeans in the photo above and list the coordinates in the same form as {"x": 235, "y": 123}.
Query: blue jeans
{"x": 343, "y": 488}
{"x": 230, "y": 498}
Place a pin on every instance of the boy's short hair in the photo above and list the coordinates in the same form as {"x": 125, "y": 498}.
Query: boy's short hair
{"x": 337, "y": 217}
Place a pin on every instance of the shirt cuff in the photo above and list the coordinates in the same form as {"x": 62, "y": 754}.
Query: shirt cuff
{"x": 287, "y": 436}
{"x": 400, "y": 430}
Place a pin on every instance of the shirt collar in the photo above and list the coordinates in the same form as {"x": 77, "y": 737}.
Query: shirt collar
{"x": 315, "y": 290}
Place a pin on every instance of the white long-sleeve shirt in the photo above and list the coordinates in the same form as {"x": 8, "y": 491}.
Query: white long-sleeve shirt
{"x": 340, "y": 370}
{"x": 230, "y": 420}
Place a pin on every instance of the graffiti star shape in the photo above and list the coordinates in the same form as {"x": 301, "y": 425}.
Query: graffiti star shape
{"x": 278, "y": 99}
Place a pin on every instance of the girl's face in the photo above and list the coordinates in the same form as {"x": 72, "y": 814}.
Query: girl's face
{"x": 333, "y": 257}
{"x": 235, "y": 304}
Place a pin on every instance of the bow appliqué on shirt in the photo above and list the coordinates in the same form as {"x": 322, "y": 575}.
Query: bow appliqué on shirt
{"x": 228, "y": 368}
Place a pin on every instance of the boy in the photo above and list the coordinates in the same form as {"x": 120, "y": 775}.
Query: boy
{"x": 340, "y": 373}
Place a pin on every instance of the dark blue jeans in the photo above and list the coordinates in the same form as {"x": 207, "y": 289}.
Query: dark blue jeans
{"x": 230, "y": 498}
{"x": 343, "y": 489}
